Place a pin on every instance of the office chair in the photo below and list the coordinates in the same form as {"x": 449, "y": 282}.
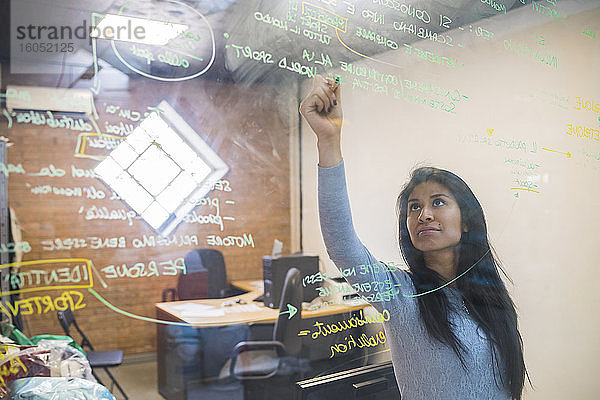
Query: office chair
{"x": 205, "y": 277}
{"x": 191, "y": 285}
{"x": 191, "y": 353}
{"x": 272, "y": 359}
{"x": 259, "y": 368}
{"x": 97, "y": 359}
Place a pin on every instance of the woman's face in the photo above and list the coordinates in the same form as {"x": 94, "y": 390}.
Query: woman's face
{"x": 433, "y": 217}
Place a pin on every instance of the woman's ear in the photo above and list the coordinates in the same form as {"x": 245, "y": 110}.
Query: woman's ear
{"x": 464, "y": 227}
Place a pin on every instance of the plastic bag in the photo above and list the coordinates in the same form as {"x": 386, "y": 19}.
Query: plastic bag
{"x": 49, "y": 358}
{"x": 18, "y": 337}
{"x": 65, "y": 361}
{"x": 19, "y": 362}
{"x": 69, "y": 340}
{"x": 38, "y": 388}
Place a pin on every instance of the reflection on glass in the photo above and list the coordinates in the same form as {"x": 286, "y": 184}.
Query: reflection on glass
{"x": 156, "y": 169}
{"x": 155, "y": 215}
{"x": 180, "y": 188}
{"x": 124, "y": 155}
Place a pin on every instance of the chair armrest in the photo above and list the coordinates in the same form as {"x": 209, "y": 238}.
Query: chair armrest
{"x": 242, "y": 347}
{"x": 165, "y": 294}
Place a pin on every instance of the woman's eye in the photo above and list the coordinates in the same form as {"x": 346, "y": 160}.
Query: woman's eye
{"x": 438, "y": 202}
{"x": 413, "y": 207}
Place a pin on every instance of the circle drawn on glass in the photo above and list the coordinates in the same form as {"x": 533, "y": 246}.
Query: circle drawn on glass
{"x": 187, "y": 56}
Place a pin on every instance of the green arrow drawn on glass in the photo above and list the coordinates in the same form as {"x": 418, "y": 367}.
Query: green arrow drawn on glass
{"x": 291, "y": 310}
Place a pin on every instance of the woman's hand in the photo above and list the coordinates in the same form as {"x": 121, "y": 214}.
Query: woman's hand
{"x": 322, "y": 110}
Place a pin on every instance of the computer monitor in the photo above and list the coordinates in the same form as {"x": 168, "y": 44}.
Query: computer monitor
{"x": 276, "y": 267}
{"x": 376, "y": 381}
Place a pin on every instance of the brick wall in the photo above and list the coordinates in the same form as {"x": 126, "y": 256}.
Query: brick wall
{"x": 242, "y": 125}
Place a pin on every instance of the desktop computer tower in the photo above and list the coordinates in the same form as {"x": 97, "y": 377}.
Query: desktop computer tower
{"x": 275, "y": 269}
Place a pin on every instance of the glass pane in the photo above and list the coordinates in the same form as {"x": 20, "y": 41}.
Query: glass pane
{"x": 155, "y": 215}
{"x": 154, "y": 170}
{"x": 304, "y": 194}
{"x": 124, "y": 155}
{"x": 176, "y": 192}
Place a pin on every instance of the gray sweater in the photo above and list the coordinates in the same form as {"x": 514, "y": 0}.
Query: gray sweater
{"x": 425, "y": 368}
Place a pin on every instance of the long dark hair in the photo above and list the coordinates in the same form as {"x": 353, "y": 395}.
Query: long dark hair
{"x": 484, "y": 292}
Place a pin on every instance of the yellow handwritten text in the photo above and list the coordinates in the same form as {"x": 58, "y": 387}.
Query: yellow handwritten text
{"x": 15, "y": 363}
{"x": 363, "y": 341}
{"x": 72, "y": 299}
{"x": 75, "y": 270}
{"x": 324, "y": 330}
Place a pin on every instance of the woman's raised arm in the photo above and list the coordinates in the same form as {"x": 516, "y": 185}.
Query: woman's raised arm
{"x": 322, "y": 109}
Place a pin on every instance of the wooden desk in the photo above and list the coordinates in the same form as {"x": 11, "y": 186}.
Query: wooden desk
{"x": 236, "y": 314}
{"x": 172, "y": 370}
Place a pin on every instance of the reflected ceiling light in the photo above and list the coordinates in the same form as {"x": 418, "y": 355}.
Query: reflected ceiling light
{"x": 137, "y": 30}
{"x": 161, "y": 169}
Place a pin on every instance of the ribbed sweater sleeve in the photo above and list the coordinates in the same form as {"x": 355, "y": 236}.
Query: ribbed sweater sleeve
{"x": 343, "y": 245}
{"x": 345, "y": 249}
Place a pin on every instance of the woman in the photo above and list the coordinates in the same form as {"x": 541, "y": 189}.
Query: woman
{"x": 453, "y": 328}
